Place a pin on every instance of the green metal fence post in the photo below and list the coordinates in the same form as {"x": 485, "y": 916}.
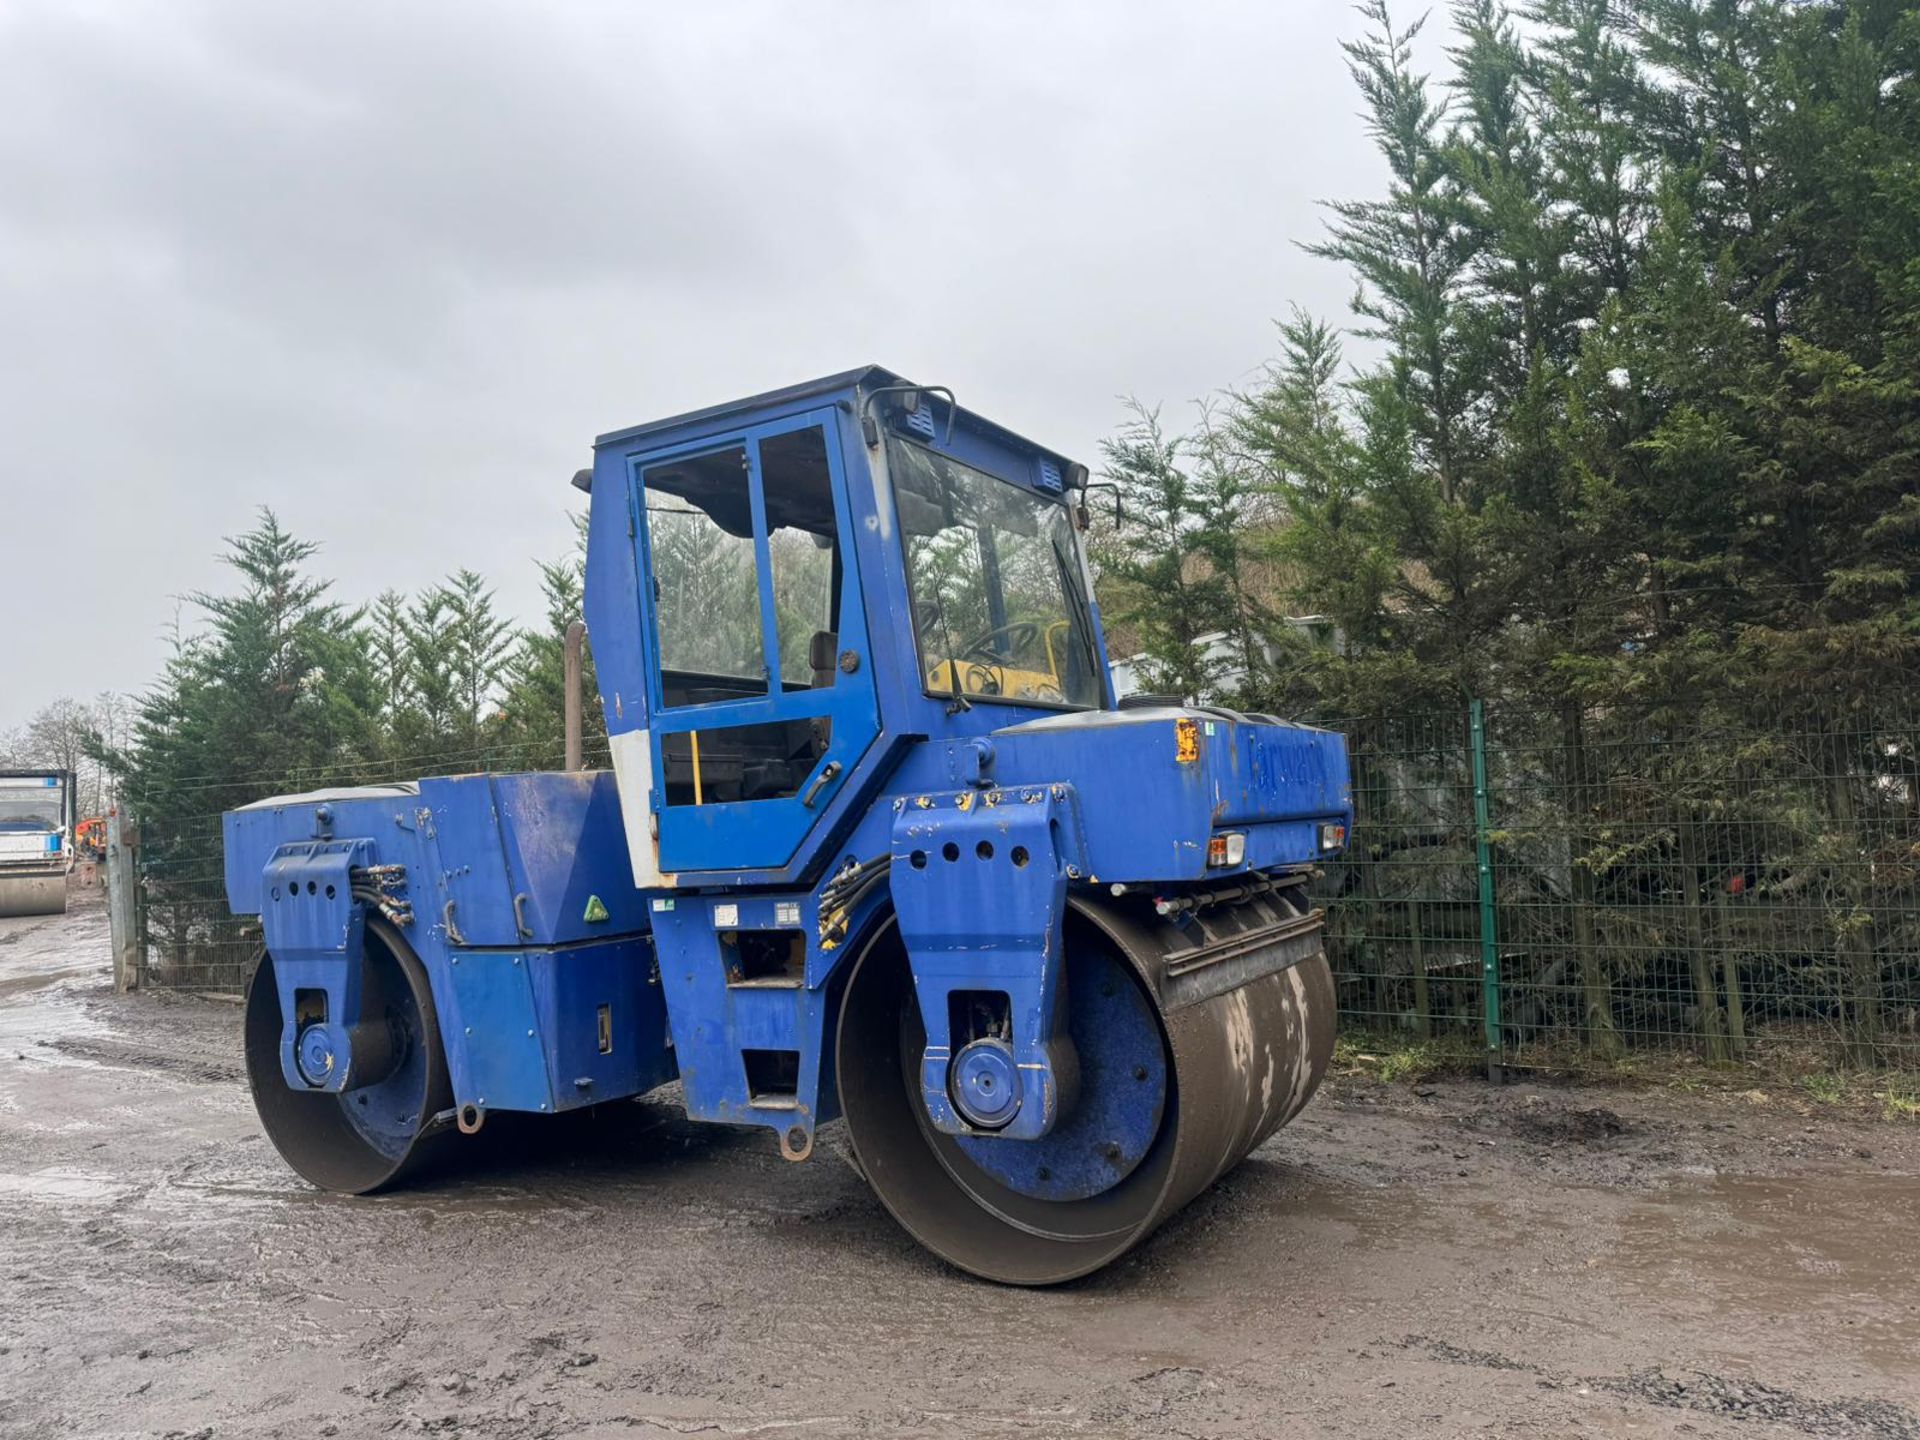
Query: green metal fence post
{"x": 1489, "y": 934}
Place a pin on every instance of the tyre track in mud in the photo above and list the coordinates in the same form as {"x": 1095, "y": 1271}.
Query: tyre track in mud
{"x": 1848, "y": 1418}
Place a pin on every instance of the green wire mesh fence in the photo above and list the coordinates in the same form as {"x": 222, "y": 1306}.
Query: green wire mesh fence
{"x": 1653, "y": 882}
{"x": 1545, "y": 888}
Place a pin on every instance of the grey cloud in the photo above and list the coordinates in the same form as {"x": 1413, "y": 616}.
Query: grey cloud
{"x": 389, "y": 268}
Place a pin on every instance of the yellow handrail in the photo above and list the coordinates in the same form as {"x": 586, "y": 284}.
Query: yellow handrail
{"x": 1053, "y": 664}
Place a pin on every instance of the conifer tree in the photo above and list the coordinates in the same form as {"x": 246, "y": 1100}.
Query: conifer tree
{"x": 1634, "y": 452}
{"x": 1173, "y": 559}
{"x": 480, "y": 643}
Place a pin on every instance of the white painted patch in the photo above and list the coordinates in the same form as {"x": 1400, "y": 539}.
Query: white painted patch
{"x": 1302, "y": 1061}
{"x": 633, "y": 774}
{"x": 882, "y": 492}
{"x": 1239, "y": 1028}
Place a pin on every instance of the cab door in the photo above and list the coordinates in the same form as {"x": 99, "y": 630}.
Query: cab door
{"x": 762, "y": 697}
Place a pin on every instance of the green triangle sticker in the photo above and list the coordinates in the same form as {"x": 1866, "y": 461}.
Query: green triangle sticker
{"x": 596, "y": 912}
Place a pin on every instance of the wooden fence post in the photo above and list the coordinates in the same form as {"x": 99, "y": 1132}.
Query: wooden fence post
{"x": 121, "y": 880}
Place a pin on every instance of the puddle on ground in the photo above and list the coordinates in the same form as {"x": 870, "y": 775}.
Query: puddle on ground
{"x": 42, "y": 969}
{"x": 39, "y": 950}
{"x": 29, "y": 1022}
{"x": 1840, "y": 1251}
{"x": 57, "y": 1183}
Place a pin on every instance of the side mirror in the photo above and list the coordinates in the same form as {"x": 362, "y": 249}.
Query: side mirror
{"x": 1119, "y": 506}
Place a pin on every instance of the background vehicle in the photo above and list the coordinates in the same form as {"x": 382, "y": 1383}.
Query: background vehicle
{"x": 877, "y": 843}
{"x": 36, "y": 840}
{"x": 90, "y": 838}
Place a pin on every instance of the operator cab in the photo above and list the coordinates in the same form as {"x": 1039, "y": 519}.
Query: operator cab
{"x": 820, "y": 573}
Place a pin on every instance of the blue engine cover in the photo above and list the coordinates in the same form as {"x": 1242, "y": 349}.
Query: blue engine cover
{"x": 1153, "y": 786}
{"x": 513, "y": 892}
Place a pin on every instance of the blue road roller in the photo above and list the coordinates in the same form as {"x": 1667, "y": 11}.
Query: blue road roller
{"x": 878, "y": 843}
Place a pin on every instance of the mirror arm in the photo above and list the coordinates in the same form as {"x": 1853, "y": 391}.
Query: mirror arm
{"x": 870, "y": 428}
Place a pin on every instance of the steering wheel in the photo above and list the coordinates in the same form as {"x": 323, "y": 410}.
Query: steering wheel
{"x": 1019, "y": 634}
{"x": 981, "y": 680}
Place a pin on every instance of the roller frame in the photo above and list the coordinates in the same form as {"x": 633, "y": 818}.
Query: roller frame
{"x": 315, "y": 1129}
{"x": 979, "y": 880}
{"x": 316, "y": 933}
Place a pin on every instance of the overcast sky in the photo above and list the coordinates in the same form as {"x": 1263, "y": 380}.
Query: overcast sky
{"x": 388, "y": 268}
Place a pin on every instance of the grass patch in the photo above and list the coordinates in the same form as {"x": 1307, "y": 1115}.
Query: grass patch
{"x": 1900, "y": 1102}
{"x": 1402, "y": 1060}
{"x": 1788, "y": 1071}
{"x": 1825, "y": 1086}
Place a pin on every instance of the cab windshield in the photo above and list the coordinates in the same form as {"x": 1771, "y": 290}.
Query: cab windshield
{"x": 29, "y": 807}
{"x": 999, "y": 611}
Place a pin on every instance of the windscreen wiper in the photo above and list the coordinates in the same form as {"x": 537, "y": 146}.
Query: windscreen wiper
{"x": 1082, "y": 615}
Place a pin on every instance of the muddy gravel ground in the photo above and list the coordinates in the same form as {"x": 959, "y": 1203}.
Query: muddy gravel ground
{"x": 1531, "y": 1261}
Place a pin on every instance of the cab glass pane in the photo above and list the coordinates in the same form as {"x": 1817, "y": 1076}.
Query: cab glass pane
{"x": 706, "y": 596}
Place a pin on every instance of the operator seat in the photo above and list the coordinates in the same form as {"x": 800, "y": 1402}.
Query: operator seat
{"x": 823, "y": 657}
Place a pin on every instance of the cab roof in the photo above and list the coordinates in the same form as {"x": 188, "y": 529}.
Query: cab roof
{"x": 866, "y": 377}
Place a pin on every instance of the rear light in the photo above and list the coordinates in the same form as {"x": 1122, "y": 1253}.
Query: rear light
{"x": 1226, "y": 850}
{"x": 1332, "y": 837}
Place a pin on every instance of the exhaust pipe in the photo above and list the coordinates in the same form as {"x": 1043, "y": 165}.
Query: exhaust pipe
{"x": 572, "y": 668}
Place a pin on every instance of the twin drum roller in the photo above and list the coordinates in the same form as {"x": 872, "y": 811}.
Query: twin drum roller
{"x": 878, "y": 842}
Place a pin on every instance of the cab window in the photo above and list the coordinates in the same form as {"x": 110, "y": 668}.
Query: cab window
{"x": 705, "y": 594}
{"x": 998, "y": 605}
{"x": 713, "y": 522}
{"x": 803, "y": 549}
